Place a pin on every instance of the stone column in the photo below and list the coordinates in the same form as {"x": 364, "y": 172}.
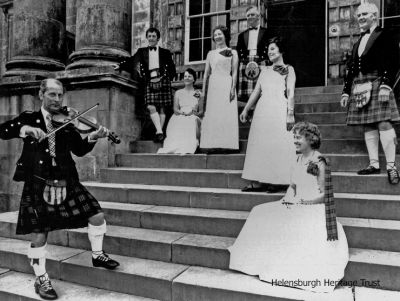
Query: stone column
{"x": 103, "y": 33}
{"x": 38, "y": 31}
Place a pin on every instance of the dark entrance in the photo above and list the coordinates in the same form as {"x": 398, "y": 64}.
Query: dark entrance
{"x": 302, "y": 24}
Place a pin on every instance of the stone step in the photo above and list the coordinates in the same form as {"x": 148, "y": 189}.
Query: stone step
{"x": 136, "y": 276}
{"x": 323, "y": 118}
{"x": 332, "y": 146}
{"x": 347, "y": 182}
{"x": 328, "y": 131}
{"x": 386, "y": 207}
{"x": 317, "y": 98}
{"x": 369, "y": 294}
{"x": 361, "y": 233}
{"x": 319, "y": 107}
{"x": 339, "y": 162}
{"x": 15, "y": 286}
{"x": 319, "y": 90}
{"x": 155, "y": 278}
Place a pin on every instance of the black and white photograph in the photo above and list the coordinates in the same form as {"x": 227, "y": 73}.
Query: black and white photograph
{"x": 199, "y": 150}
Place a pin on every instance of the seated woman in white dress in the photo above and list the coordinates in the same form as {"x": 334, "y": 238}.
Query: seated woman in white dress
{"x": 296, "y": 241}
{"x": 183, "y": 128}
{"x": 220, "y": 126}
{"x": 270, "y": 128}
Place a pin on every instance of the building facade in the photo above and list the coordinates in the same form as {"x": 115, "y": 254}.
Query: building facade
{"x": 319, "y": 34}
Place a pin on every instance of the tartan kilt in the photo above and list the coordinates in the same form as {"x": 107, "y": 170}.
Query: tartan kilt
{"x": 246, "y": 86}
{"x": 36, "y": 216}
{"x": 159, "y": 98}
{"x": 375, "y": 111}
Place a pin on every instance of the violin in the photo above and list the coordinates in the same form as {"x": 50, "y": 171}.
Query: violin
{"x": 84, "y": 125}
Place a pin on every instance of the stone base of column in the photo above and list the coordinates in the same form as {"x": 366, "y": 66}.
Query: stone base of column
{"x": 96, "y": 57}
{"x": 32, "y": 65}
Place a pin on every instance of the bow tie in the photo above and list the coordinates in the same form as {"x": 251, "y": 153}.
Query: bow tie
{"x": 152, "y": 48}
{"x": 252, "y": 28}
{"x": 282, "y": 70}
{"x": 366, "y": 32}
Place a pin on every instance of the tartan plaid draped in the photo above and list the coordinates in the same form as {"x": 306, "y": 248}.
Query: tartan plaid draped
{"x": 330, "y": 208}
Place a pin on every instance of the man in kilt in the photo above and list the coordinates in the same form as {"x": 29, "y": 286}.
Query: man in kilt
{"x": 368, "y": 93}
{"x": 52, "y": 197}
{"x": 156, "y": 69}
{"x": 251, "y": 45}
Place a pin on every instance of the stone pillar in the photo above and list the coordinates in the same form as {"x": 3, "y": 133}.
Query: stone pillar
{"x": 38, "y": 28}
{"x": 103, "y": 33}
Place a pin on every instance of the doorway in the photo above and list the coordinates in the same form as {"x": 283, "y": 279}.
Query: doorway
{"x": 302, "y": 25}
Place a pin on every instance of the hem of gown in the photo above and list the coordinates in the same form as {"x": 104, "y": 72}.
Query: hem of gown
{"x": 272, "y": 181}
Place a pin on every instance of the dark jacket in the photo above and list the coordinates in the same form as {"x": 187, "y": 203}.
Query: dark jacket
{"x": 139, "y": 63}
{"x": 264, "y": 35}
{"x": 35, "y": 158}
{"x": 380, "y": 54}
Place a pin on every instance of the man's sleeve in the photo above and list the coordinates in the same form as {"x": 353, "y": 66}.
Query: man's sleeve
{"x": 12, "y": 128}
{"x": 79, "y": 147}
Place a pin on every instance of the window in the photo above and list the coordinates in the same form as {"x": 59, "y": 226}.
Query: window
{"x": 202, "y": 17}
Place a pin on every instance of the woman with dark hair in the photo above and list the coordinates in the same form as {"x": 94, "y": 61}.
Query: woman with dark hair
{"x": 296, "y": 239}
{"x": 220, "y": 129}
{"x": 270, "y": 144}
{"x": 183, "y": 129}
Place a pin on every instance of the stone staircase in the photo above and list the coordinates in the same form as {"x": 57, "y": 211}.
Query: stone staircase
{"x": 171, "y": 219}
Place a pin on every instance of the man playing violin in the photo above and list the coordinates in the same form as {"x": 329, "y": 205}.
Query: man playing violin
{"x": 52, "y": 197}
{"x": 156, "y": 69}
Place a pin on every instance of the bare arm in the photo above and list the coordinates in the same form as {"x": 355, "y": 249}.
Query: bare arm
{"x": 206, "y": 75}
{"x": 177, "y": 110}
{"x": 255, "y": 95}
{"x": 235, "y": 64}
{"x": 290, "y": 86}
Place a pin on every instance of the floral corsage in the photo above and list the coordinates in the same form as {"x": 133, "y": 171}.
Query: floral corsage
{"x": 197, "y": 94}
{"x": 226, "y": 52}
{"x": 313, "y": 168}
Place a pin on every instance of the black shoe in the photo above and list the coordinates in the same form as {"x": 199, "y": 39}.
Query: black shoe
{"x": 159, "y": 138}
{"x": 252, "y": 188}
{"x": 105, "y": 262}
{"x": 274, "y": 188}
{"x": 44, "y": 288}
{"x": 370, "y": 170}
{"x": 393, "y": 176}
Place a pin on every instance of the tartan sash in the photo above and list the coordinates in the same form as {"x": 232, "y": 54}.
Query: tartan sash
{"x": 330, "y": 208}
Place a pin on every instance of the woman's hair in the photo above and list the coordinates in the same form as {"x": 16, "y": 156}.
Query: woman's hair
{"x": 225, "y": 32}
{"x": 310, "y": 131}
{"x": 279, "y": 42}
{"x": 192, "y": 73}
{"x": 153, "y": 29}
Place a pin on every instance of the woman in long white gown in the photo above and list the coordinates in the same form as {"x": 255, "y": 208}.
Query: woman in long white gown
{"x": 270, "y": 143}
{"x": 295, "y": 240}
{"x": 220, "y": 129}
{"x": 183, "y": 128}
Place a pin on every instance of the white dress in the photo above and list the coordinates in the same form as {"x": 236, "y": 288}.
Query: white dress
{"x": 281, "y": 243}
{"x": 270, "y": 146}
{"x": 220, "y": 125}
{"x": 182, "y": 131}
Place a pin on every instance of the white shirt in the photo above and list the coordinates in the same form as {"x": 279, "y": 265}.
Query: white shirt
{"x": 154, "y": 59}
{"x": 364, "y": 41}
{"x": 253, "y": 38}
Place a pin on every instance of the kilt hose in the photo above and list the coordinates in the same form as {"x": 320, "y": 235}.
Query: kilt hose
{"x": 161, "y": 97}
{"x": 375, "y": 111}
{"x": 36, "y": 216}
{"x": 246, "y": 86}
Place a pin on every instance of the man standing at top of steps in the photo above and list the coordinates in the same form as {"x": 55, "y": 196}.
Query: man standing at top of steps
{"x": 368, "y": 93}
{"x": 52, "y": 197}
{"x": 252, "y": 50}
{"x": 156, "y": 69}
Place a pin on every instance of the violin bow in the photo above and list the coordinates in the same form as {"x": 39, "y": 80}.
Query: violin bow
{"x": 71, "y": 120}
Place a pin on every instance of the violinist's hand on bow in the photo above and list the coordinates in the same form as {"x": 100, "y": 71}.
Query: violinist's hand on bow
{"x": 101, "y": 132}
{"x": 36, "y": 133}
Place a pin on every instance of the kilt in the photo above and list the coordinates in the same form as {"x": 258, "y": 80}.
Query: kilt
{"x": 159, "y": 98}
{"x": 246, "y": 86}
{"x": 36, "y": 216}
{"x": 375, "y": 111}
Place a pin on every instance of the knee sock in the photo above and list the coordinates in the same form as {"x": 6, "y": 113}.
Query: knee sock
{"x": 96, "y": 235}
{"x": 389, "y": 141}
{"x": 155, "y": 117}
{"x": 162, "y": 120}
{"x": 37, "y": 258}
{"x": 372, "y": 142}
